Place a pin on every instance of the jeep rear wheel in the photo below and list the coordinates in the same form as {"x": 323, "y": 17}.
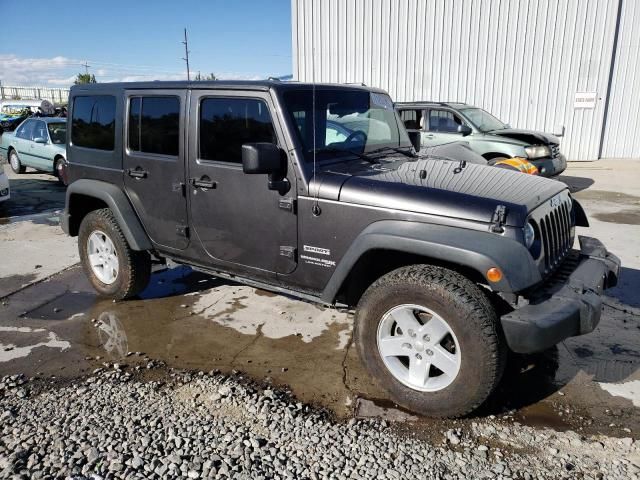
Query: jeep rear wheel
{"x": 430, "y": 337}
{"x": 113, "y": 268}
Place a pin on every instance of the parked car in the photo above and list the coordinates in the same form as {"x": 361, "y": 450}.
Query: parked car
{"x": 242, "y": 180}
{"x": 5, "y": 192}
{"x": 38, "y": 143}
{"x": 439, "y": 123}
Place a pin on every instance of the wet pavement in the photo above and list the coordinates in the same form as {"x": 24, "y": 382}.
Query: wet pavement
{"x": 59, "y": 327}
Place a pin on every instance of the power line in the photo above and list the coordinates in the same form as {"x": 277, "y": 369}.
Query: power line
{"x": 186, "y": 53}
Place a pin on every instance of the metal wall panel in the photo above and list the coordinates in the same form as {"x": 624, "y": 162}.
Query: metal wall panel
{"x": 523, "y": 60}
{"x": 622, "y": 132}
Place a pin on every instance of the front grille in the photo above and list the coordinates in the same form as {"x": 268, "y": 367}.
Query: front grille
{"x": 555, "y": 150}
{"x": 556, "y": 234}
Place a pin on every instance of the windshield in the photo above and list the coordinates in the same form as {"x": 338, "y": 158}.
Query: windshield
{"x": 483, "y": 121}
{"x": 58, "y": 133}
{"x": 348, "y": 121}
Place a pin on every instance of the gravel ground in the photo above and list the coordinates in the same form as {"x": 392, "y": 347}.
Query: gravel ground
{"x": 153, "y": 423}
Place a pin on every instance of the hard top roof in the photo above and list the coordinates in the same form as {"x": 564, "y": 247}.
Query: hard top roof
{"x": 260, "y": 85}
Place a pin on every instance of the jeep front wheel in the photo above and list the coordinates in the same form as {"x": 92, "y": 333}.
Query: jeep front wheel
{"x": 113, "y": 268}
{"x": 430, "y": 337}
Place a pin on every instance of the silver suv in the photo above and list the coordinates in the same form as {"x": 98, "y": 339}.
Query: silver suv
{"x": 440, "y": 123}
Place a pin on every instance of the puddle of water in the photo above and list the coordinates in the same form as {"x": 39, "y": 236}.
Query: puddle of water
{"x": 277, "y": 316}
{"x": 630, "y": 216}
{"x": 542, "y": 415}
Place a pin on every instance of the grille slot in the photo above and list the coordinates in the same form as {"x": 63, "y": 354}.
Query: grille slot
{"x": 555, "y": 229}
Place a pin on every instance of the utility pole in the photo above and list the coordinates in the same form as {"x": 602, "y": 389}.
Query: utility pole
{"x": 86, "y": 67}
{"x": 186, "y": 53}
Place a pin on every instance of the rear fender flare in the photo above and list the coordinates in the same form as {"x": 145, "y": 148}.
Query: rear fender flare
{"x": 119, "y": 204}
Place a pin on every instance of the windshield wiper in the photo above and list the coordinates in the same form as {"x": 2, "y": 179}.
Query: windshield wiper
{"x": 335, "y": 151}
{"x": 395, "y": 149}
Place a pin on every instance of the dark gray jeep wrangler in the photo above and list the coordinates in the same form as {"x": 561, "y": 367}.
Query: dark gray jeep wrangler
{"x": 316, "y": 191}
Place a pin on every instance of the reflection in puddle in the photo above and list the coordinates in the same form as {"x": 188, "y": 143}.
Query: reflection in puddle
{"x": 246, "y": 310}
{"x": 629, "y": 390}
{"x": 11, "y": 351}
{"x": 112, "y": 335}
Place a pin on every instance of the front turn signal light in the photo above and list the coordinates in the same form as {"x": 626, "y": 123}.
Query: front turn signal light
{"x": 494, "y": 274}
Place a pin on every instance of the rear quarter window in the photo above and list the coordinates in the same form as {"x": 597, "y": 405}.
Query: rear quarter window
{"x": 93, "y": 122}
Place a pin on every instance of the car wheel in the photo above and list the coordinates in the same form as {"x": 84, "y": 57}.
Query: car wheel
{"x": 113, "y": 268}
{"x": 431, "y": 338}
{"x": 59, "y": 171}
{"x": 15, "y": 163}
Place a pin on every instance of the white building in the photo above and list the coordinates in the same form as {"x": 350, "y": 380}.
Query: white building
{"x": 561, "y": 66}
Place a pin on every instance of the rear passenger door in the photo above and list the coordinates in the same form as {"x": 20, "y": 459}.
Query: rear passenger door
{"x": 236, "y": 218}
{"x": 154, "y": 159}
{"x": 22, "y": 142}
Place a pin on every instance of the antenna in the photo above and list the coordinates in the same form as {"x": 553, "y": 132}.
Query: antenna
{"x": 186, "y": 53}
{"x": 315, "y": 209}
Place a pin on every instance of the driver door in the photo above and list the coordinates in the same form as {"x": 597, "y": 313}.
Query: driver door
{"x": 237, "y": 219}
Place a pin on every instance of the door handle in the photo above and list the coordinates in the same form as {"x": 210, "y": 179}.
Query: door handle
{"x": 137, "y": 173}
{"x": 203, "y": 182}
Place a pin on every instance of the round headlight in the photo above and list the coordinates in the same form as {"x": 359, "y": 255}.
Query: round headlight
{"x": 529, "y": 234}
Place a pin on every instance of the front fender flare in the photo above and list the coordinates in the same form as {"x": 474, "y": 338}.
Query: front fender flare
{"x": 469, "y": 248}
{"x": 119, "y": 204}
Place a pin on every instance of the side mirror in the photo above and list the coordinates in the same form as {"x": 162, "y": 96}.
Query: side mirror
{"x": 266, "y": 158}
{"x": 464, "y": 130}
{"x": 414, "y": 137}
{"x": 261, "y": 158}
{"x": 40, "y": 140}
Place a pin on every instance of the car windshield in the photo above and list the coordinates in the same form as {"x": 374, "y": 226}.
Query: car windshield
{"x": 58, "y": 132}
{"x": 483, "y": 120}
{"x": 346, "y": 121}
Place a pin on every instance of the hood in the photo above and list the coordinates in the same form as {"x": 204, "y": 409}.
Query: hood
{"x": 438, "y": 187}
{"x": 530, "y": 137}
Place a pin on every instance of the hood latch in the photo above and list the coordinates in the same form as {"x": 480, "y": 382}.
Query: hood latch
{"x": 498, "y": 220}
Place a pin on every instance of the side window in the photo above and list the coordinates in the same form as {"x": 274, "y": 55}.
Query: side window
{"x": 412, "y": 119}
{"x": 93, "y": 123}
{"x": 444, "y": 121}
{"x": 227, "y": 123}
{"x": 334, "y": 134}
{"x": 40, "y": 131}
{"x": 154, "y": 125}
{"x": 26, "y": 130}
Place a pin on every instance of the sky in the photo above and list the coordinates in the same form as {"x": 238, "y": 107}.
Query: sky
{"x": 142, "y": 40}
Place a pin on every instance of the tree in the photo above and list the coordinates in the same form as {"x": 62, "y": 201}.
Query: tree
{"x": 200, "y": 78}
{"x": 83, "y": 78}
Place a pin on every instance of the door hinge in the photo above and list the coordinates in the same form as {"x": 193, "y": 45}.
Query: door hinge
{"x": 182, "y": 231}
{"x": 287, "y": 251}
{"x": 499, "y": 218}
{"x": 287, "y": 203}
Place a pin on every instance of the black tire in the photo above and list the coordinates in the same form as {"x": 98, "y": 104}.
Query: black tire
{"x": 57, "y": 172}
{"x": 14, "y": 162}
{"x": 134, "y": 270}
{"x": 469, "y": 314}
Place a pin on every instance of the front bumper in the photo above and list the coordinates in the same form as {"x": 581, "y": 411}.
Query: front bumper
{"x": 549, "y": 167}
{"x": 564, "y": 309}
